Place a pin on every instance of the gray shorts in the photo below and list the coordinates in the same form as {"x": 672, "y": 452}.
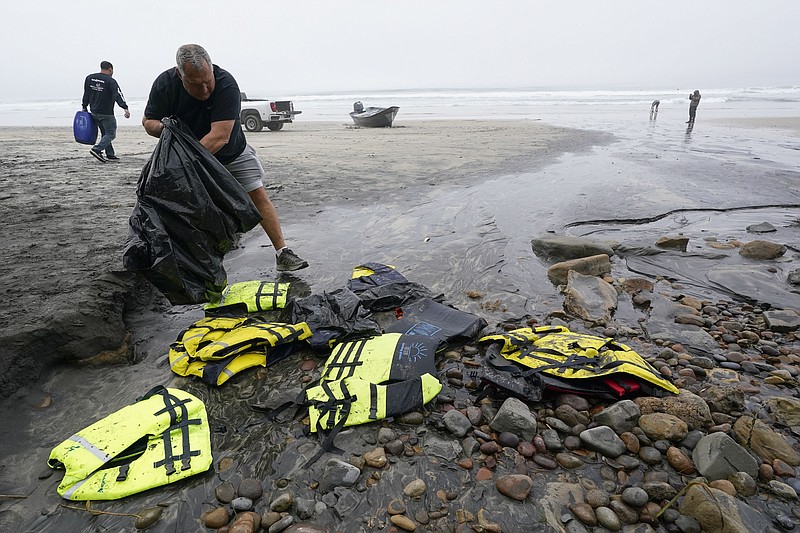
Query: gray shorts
{"x": 247, "y": 170}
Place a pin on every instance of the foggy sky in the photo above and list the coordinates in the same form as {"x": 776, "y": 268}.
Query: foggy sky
{"x": 278, "y": 49}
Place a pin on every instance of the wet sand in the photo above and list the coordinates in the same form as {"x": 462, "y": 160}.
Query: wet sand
{"x": 453, "y": 204}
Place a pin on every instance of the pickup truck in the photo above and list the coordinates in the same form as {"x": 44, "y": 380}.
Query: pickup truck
{"x": 258, "y": 112}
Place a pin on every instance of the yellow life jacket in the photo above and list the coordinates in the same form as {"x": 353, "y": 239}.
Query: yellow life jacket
{"x": 374, "y": 378}
{"x": 250, "y": 297}
{"x": 567, "y": 355}
{"x": 352, "y": 401}
{"x": 162, "y": 438}
{"x": 214, "y": 349}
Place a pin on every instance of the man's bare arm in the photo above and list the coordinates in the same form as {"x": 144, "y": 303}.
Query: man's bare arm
{"x": 219, "y": 135}
{"x": 152, "y": 126}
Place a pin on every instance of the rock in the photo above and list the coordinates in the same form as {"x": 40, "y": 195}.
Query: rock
{"x": 508, "y": 439}
{"x": 403, "y": 522}
{"x": 724, "y": 485}
{"x": 589, "y": 298}
{"x": 282, "y": 503}
{"x": 724, "y": 399}
{"x": 603, "y": 440}
{"x": 608, "y": 519}
{"x": 457, "y": 422}
{"x": 782, "y": 490}
{"x": 338, "y": 474}
{"x": 578, "y": 403}
{"x": 714, "y": 510}
{"x": 564, "y": 247}
{"x": 281, "y": 524}
{"x": 514, "y": 416}
{"x": 687, "y": 406}
{"x": 147, "y": 517}
{"x": 650, "y": 455}
{"x": 659, "y": 426}
{"x": 242, "y": 504}
{"x": 584, "y": 512}
{"x": 782, "y": 320}
{"x": 396, "y": 506}
{"x": 764, "y": 441}
{"x": 216, "y": 518}
{"x": 597, "y": 498}
{"x": 673, "y": 243}
{"x": 717, "y": 456}
{"x": 224, "y": 492}
{"x": 631, "y": 441}
{"x": 763, "y": 227}
{"x": 743, "y": 483}
{"x": 415, "y": 488}
{"x": 635, "y": 496}
{"x": 680, "y": 461}
{"x": 515, "y": 486}
{"x": 659, "y": 490}
{"x": 762, "y": 250}
{"x": 621, "y": 416}
{"x": 248, "y": 522}
{"x": 250, "y": 488}
{"x": 375, "y": 458}
{"x": 596, "y": 265}
{"x": 569, "y": 461}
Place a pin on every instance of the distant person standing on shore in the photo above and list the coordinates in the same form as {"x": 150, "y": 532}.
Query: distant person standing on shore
{"x": 207, "y": 99}
{"x": 694, "y": 101}
{"x": 100, "y": 91}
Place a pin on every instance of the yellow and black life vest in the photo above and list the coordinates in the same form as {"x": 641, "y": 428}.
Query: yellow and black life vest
{"x": 374, "y": 378}
{"x": 214, "y": 349}
{"x": 561, "y": 353}
{"x": 162, "y": 438}
{"x": 249, "y": 297}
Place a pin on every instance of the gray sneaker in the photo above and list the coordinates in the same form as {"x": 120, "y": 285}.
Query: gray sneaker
{"x": 288, "y": 261}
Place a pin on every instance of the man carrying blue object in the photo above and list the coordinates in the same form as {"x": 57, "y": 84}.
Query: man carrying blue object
{"x": 207, "y": 99}
{"x": 100, "y": 92}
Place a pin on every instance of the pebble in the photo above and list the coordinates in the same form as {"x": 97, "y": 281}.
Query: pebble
{"x": 415, "y": 488}
{"x": 635, "y": 496}
{"x": 376, "y": 458}
{"x": 508, "y": 439}
{"x": 585, "y": 513}
{"x": 282, "y": 503}
{"x": 607, "y": 518}
{"x": 250, "y": 488}
{"x": 225, "y": 493}
{"x": 724, "y": 485}
{"x": 281, "y": 524}
{"x": 545, "y": 462}
{"x": 147, "y": 517}
{"x": 597, "y": 498}
{"x": 515, "y": 486}
{"x": 242, "y": 504}
{"x": 403, "y": 522}
{"x": 396, "y": 506}
{"x": 568, "y": 460}
{"x": 526, "y": 449}
{"x": 216, "y": 518}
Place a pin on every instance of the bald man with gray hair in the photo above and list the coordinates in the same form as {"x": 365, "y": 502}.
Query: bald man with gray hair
{"x": 207, "y": 99}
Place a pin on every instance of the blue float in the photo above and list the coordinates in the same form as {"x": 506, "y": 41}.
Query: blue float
{"x": 84, "y": 128}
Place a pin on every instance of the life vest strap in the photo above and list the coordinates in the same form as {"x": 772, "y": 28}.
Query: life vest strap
{"x": 346, "y": 363}
{"x": 123, "y": 473}
{"x": 261, "y": 293}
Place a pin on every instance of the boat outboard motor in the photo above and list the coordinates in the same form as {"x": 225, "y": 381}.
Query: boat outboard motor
{"x": 358, "y": 107}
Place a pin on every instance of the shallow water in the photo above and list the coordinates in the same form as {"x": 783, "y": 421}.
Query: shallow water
{"x": 452, "y": 240}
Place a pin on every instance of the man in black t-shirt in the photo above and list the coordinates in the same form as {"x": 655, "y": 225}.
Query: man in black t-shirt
{"x": 100, "y": 91}
{"x": 207, "y": 99}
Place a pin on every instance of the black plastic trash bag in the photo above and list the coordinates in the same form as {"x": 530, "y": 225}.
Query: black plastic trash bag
{"x": 188, "y": 211}
{"x": 431, "y": 318}
{"x": 385, "y": 288}
{"x": 334, "y": 317}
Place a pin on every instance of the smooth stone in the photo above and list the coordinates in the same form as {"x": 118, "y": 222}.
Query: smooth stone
{"x": 608, "y": 518}
{"x": 584, "y": 512}
{"x": 597, "y": 498}
{"x": 250, "y": 488}
{"x": 282, "y": 503}
{"x": 569, "y": 461}
{"x": 545, "y": 462}
{"x": 635, "y": 496}
{"x": 147, "y": 517}
{"x": 415, "y": 488}
{"x": 403, "y": 522}
{"x": 224, "y": 492}
{"x": 242, "y": 504}
{"x": 216, "y": 518}
{"x": 515, "y": 486}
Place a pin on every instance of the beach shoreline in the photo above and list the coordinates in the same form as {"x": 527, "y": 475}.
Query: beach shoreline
{"x": 67, "y": 213}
